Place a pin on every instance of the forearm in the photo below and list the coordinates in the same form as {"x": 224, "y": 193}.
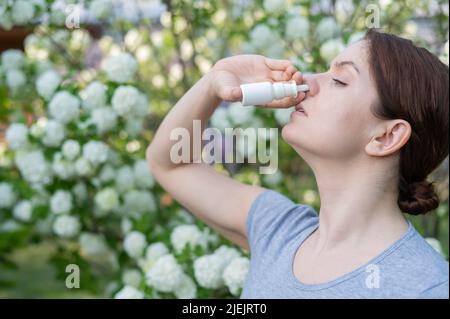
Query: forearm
{"x": 198, "y": 103}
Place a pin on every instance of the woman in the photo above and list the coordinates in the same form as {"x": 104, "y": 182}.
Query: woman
{"x": 376, "y": 126}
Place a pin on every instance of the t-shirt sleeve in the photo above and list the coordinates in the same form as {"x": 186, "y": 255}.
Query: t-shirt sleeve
{"x": 439, "y": 291}
{"x": 273, "y": 218}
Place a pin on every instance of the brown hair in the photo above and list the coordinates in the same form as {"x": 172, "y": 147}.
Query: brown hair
{"x": 412, "y": 85}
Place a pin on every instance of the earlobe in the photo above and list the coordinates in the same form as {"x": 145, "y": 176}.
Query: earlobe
{"x": 391, "y": 139}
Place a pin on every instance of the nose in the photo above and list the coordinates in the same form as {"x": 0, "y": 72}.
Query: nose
{"x": 313, "y": 83}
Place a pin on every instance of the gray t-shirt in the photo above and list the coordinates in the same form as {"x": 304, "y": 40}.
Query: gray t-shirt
{"x": 276, "y": 227}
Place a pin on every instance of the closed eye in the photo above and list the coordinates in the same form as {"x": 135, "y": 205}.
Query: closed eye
{"x": 339, "y": 82}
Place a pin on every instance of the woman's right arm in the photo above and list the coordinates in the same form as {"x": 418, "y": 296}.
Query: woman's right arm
{"x": 218, "y": 200}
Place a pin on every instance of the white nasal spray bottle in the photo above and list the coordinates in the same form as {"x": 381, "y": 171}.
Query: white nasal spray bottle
{"x": 260, "y": 93}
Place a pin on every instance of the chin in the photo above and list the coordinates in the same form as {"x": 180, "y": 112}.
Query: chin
{"x": 289, "y": 132}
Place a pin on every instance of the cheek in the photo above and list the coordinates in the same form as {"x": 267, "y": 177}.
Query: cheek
{"x": 335, "y": 133}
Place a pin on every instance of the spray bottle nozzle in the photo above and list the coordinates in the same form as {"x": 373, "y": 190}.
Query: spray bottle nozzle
{"x": 302, "y": 87}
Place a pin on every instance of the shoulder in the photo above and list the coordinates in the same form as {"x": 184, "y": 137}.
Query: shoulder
{"x": 420, "y": 267}
{"x": 273, "y": 215}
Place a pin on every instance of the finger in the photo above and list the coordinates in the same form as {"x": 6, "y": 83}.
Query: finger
{"x": 285, "y": 75}
{"x": 231, "y": 93}
{"x": 298, "y": 77}
{"x": 284, "y": 103}
{"x": 277, "y": 64}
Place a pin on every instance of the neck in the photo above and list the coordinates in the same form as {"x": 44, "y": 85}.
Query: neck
{"x": 358, "y": 205}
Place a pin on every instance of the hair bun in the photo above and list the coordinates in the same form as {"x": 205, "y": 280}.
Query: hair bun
{"x": 418, "y": 198}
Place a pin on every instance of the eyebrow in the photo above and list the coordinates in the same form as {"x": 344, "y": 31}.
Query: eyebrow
{"x": 343, "y": 63}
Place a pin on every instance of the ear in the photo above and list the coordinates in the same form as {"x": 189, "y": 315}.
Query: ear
{"x": 389, "y": 138}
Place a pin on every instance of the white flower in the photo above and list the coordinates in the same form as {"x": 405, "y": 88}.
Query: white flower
{"x": 80, "y": 192}
{"x": 17, "y": 136}
{"x": 262, "y": 36}
{"x": 6, "y": 21}
{"x": 184, "y": 235}
{"x": 274, "y": 6}
{"x": 132, "y": 277}
{"x": 101, "y": 9}
{"x": 127, "y": 101}
{"x": 142, "y": 174}
{"x": 107, "y": 199}
{"x": 327, "y": 29}
{"x": 104, "y": 118}
{"x": 355, "y": 37}
{"x": 126, "y": 225}
{"x": 63, "y": 168}
{"x": 61, "y": 202}
{"x": 166, "y": 274}
{"x": 240, "y": 114}
{"x": 129, "y": 292}
{"x": 93, "y": 245}
{"x": 23, "y": 211}
{"x": 12, "y": 59}
{"x": 124, "y": 179}
{"x": 208, "y": 271}
{"x": 331, "y": 48}
{"x": 22, "y": 11}
{"x": 156, "y": 250}
{"x": 83, "y": 167}
{"x": 7, "y": 195}
{"x": 433, "y": 242}
{"x": 134, "y": 244}
{"x": 235, "y": 273}
{"x": 54, "y": 133}
{"x": 64, "y": 107}
{"x": 120, "y": 68}
{"x": 94, "y": 96}
{"x": 282, "y": 115}
{"x": 133, "y": 126}
{"x": 66, "y": 226}
{"x": 15, "y": 79}
{"x": 227, "y": 253}
{"x": 33, "y": 167}
{"x": 273, "y": 179}
{"x": 186, "y": 289}
{"x": 71, "y": 149}
{"x": 95, "y": 152}
{"x": 139, "y": 202}
{"x": 47, "y": 83}
{"x": 297, "y": 28}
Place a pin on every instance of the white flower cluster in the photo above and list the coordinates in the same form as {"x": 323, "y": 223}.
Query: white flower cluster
{"x": 17, "y": 136}
{"x": 134, "y": 244}
{"x": 167, "y": 275}
{"x": 120, "y": 68}
{"x": 64, "y": 107}
{"x": 66, "y": 226}
{"x": 7, "y": 195}
{"x": 33, "y": 167}
{"x": 101, "y": 9}
{"x": 128, "y": 102}
{"x": 129, "y": 292}
{"x": 54, "y": 133}
{"x": 47, "y": 83}
{"x": 184, "y": 235}
{"x": 221, "y": 268}
{"x": 23, "y": 211}
{"x": 12, "y": 62}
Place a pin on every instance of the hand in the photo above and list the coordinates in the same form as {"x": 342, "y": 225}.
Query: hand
{"x": 229, "y": 73}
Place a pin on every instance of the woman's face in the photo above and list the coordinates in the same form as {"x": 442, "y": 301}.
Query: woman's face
{"x": 339, "y": 123}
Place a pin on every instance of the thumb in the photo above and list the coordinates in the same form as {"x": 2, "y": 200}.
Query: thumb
{"x": 232, "y": 93}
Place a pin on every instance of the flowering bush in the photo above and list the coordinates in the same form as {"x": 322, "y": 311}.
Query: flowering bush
{"x": 81, "y": 110}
